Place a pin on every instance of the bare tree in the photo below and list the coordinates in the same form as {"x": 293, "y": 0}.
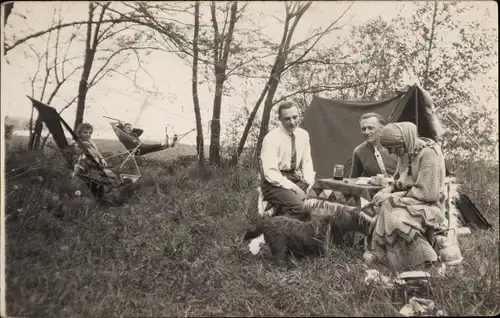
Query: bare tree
{"x": 55, "y": 72}
{"x": 196, "y": 103}
{"x": 221, "y": 49}
{"x": 99, "y": 60}
{"x": 366, "y": 65}
{"x": 293, "y": 13}
{"x": 91, "y": 44}
{"x": 215, "y": 46}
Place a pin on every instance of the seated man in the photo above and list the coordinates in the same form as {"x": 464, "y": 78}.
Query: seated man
{"x": 287, "y": 168}
{"x": 146, "y": 148}
{"x": 370, "y": 158}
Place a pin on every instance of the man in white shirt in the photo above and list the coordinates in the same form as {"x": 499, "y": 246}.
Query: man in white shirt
{"x": 287, "y": 168}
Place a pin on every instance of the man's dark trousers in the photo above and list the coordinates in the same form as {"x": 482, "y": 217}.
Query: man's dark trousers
{"x": 285, "y": 201}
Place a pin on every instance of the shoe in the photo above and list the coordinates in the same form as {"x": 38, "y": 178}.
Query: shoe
{"x": 368, "y": 257}
{"x": 448, "y": 250}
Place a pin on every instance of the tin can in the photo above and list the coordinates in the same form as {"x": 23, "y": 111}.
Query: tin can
{"x": 338, "y": 172}
{"x": 380, "y": 179}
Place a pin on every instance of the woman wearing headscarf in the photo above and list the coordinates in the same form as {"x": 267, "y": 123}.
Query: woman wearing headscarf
{"x": 412, "y": 204}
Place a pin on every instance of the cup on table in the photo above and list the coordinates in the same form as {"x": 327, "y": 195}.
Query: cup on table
{"x": 382, "y": 180}
{"x": 338, "y": 172}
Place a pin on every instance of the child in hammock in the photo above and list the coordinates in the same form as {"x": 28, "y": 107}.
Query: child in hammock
{"x": 145, "y": 148}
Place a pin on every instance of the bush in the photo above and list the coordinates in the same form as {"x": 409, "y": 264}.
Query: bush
{"x": 9, "y": 131}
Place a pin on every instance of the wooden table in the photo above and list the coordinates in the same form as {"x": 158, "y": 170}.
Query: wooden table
{"x": 344, "y": 191}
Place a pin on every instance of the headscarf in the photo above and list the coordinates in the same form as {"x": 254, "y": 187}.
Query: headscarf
{"x": 399, "y": 134}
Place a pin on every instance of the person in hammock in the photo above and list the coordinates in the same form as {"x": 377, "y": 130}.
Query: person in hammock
{"x": 135, "y": 133}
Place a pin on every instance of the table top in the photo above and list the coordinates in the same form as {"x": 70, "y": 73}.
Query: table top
{"x": 347, "y": 182}
{"x": 342, "y": 190}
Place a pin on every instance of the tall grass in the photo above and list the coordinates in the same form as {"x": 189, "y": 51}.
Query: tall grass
{"x": 175, "y": 250}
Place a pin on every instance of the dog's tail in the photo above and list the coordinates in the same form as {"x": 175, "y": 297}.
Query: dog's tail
{"x": 253, "y": 233}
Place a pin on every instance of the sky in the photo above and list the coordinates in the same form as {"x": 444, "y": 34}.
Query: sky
{"x": 116, "y": 96}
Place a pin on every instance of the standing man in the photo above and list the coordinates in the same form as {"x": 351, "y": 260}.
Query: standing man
{"x": 370, "y": 158}
{"x": 287, "y": 168}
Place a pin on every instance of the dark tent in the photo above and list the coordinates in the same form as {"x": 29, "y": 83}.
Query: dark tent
{"x": 333, "y": 125}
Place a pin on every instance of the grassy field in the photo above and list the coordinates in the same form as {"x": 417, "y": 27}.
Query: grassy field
{"x": 175, "y": 250}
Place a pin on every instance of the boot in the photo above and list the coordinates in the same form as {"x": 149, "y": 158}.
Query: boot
{"x": 448, "y": 249}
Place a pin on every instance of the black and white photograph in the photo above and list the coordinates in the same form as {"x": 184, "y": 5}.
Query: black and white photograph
{"x": 249, "y": 158}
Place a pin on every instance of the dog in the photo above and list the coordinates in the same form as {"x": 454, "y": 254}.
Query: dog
{"x": 287, "y": 236}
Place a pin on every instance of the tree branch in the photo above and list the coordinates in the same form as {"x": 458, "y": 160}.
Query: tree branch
{"x": 47, "y": 68}
{"x": 216, "y": 34}
{"x": 321, "y": 88}
{"x": 328, "y": 29}
{"x": 60, "y": 26}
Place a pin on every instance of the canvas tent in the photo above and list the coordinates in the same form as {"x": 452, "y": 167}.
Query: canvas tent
{"x": 334, "y": 131}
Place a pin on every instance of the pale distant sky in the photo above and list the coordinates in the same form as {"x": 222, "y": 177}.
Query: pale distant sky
{"x": 117, "y": 97}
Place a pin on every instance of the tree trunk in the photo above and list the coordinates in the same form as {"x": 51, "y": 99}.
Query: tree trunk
{"x": 248, "y": 126}
{"x": 34, "y": 142}
{"x": 91, "y": 48}
{"x": 274, "y": 78}
{"x": 215, "y": 123}
{"x": 241, "y": 145}
{"x": 428, "y": 57}
{"x": 8, "y": 9}
{"x": 266, "y": 114}
{"x": 221, "y": 56}
{"x": 196, "y": 103}
{"x": 82, "y": 88}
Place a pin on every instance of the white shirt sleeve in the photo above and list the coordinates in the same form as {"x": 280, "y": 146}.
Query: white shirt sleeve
{"x": 307, "y": 163}
{"x": 269, "y": 157}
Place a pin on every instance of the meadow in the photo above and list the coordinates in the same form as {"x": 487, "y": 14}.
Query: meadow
{"x": 175, "y": 249}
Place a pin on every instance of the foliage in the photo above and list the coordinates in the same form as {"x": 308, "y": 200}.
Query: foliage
{"x": 448, "y": 53}
{"x": 9, "y": 131}
{"x": 365, "y": 66}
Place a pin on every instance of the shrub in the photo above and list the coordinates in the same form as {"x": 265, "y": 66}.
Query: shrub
{"x": 9, "y": 131}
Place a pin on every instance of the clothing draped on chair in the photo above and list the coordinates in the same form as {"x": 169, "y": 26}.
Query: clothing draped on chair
{"x": 101, "y": 182}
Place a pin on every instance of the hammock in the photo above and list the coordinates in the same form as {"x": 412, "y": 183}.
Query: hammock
{"x": 100, "y": 184}
{"x": 133, "y": 144}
